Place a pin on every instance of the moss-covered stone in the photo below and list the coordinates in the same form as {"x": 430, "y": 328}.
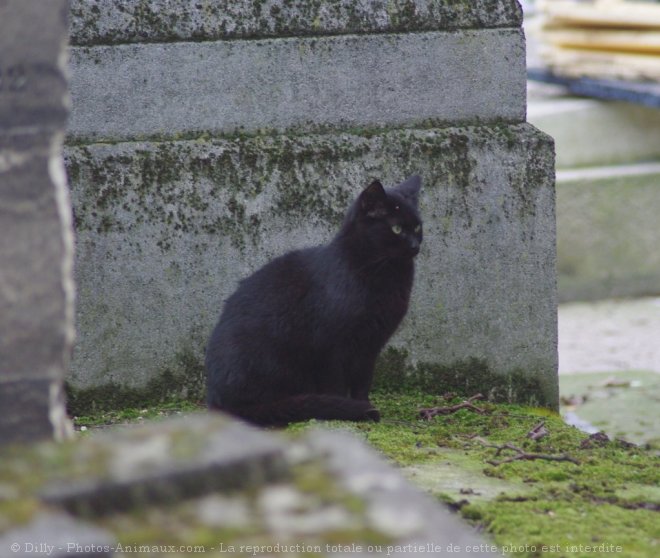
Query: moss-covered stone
{"x": 208, "y": 484}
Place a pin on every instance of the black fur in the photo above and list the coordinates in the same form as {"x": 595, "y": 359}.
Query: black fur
{"x": 299, "y": 338}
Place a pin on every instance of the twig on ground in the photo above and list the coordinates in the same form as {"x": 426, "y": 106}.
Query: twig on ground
{"x": 431, "y": 412}
{"x": 521, "y": 454}
{"x": 538, "y": 432}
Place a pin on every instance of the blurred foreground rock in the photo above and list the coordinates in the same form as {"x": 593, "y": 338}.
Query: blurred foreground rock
{"x": 209, "y": 484}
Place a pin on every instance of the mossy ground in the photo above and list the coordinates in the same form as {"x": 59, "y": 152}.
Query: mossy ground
{"x": 608, "y": 504}
{"x": 136, "y": 415}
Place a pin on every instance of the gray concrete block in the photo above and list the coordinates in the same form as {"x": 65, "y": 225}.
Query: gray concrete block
{"x": 36, "y": 237}
{"x": 608, "y": 232}
{"x": 177, "y": 89}
{"x": 111, "y": 22}
{"x": 165, "y": 231}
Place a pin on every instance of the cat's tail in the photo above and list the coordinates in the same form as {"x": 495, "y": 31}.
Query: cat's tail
{"x": 299, "y": 408}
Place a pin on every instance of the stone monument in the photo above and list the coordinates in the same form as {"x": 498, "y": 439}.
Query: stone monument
{"x": 206, "y": 140}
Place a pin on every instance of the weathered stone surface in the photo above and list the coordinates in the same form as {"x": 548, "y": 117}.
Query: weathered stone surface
{"x": 110, "y": 22}
{"x": 346, "y": 81}
{"x": 169, "y": 462}
{"x": 57, "y": 535}
{"x": 165, "y": 231}
{"x": 36, "y": 241}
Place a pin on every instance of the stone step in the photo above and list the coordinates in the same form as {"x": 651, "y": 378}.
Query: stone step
{"x": 311, "y": 83}
{"x": 591, "y": 133}
{"x": 608, "y": 234}
{"x": 166, "y": 229}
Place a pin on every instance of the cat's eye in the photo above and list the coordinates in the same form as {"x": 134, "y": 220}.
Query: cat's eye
{"x": 396, "y": 229}
{"x": 418, "y": 228}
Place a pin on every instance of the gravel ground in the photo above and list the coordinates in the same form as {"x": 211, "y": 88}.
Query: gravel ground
{"x": 610, "y": 336}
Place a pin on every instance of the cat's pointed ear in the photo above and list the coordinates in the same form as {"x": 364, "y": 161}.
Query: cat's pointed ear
{"x": 372, "y": 200}
{"x": 410, "y": 188}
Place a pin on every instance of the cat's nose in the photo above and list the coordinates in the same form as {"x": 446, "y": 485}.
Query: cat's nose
{"x": 414, "y": 246}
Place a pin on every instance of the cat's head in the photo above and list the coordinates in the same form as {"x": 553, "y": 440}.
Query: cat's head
{"x": 389, "y": 218}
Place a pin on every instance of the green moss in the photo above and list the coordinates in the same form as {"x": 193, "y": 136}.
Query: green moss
{"x": 564, "y": 527}
{"x": 610, "y": 500}
{"x": 15, "y": 512}
{"x": 140, "y": 414}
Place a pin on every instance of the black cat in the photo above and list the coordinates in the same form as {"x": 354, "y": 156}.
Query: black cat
{"x": 299, "y": 338}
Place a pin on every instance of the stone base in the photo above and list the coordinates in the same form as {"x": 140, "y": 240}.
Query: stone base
{"x": 167, "y": 229}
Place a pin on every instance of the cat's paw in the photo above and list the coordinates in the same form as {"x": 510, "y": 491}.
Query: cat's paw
{"x": 372, "y": 415}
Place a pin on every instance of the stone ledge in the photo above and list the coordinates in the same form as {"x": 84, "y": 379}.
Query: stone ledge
{"x": 111, "y": 22}
{"x": 57, "y": 535}
{"x": 33, "y": 88}
{"x": 469, "y": 77}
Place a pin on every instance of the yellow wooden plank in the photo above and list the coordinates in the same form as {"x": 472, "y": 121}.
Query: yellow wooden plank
{"x": 641, "y": 15}
{"x": 578, "y": 63}
{"x": 610, "y": 40}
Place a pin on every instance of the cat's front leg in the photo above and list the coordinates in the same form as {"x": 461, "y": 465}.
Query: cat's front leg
{"x": 359, "y": 375}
